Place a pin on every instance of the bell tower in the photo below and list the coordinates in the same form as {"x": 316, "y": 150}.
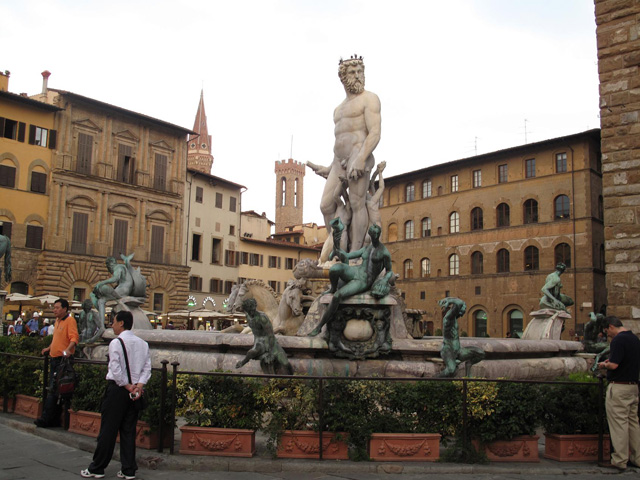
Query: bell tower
{"x": 289, "y": 193}
{"x": 199, "y": 155}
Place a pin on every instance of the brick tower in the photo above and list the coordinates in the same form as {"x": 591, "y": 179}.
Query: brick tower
{"x": 289, "y": 193}
{"x": 199, "y": 149}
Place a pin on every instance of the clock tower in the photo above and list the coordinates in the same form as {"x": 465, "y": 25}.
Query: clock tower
{"x": 199, "y": 155}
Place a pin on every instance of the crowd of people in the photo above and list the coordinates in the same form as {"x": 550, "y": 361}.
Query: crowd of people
{"x": 35, "y": 326}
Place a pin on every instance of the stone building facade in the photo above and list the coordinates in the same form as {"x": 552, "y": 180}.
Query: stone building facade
{"x": 490, "y": 228}
{"x": 289, "y": 193}
{"x": 117, "y": 186}
{"x": 618, "y": 32}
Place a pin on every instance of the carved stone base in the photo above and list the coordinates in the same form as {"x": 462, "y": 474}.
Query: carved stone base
{"x": 545, "y": 325}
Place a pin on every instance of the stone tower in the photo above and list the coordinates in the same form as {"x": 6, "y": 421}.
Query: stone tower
{"x": 199, "y": 155}
{"x": 618, "y": 32}
{"x": 289, "y": 193}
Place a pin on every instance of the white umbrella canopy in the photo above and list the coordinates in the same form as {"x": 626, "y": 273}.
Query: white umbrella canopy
{"x": 22, "y": 299}
{"x": 48, "y": 298}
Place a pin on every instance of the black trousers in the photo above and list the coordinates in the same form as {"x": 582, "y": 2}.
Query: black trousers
{"x": 118, "y": 415}
{"x": 51, "y": 410}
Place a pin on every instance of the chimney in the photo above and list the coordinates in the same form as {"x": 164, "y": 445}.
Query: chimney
{"x": 45, "y": 79}
{"x": 4, "y": 81}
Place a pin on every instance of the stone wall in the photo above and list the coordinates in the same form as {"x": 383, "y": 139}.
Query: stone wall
{"x": 618, "y": 32}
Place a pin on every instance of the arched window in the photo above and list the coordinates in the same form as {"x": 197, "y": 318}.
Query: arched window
{"x": 426, "y": 189}
{"x": 531, "y": 211}
{"x": 561, "y": 208}
{"x": 295, "y": 193}
{"x": 283, "y": 183}
{"x": 410, "y": 192}
{"x": 480, "y": 323}
{"x": 516, "y": 322}
{"x": 503, "y": 215}
{"x": 502, "y": 261}
{"x": 477, "y": 222}
{"x": 408, "y": 269}
{"x": 408, "y": 230}
{"x": 19, "y": 287}
{"x": 476, "y": 263}
{"x": 454, "y": 264}
{"x": 454, "y": 222}
{"x": 562, "y": 253}
{"x": 425, "y": 267}
{"x": 531, "y": 258}
{"x": 426, "y": 227}
{"x": 392, "y": 235}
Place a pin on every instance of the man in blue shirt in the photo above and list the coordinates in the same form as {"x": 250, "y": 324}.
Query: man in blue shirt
{"x": 32, "y": 325}
{"x": 623, "y": 369}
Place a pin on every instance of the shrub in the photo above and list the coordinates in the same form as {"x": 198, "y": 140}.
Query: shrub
{"x": 571, "y": 409}
{"x": 91, "y": 386}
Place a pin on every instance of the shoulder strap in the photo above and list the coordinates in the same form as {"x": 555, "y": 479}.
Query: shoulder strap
{"x": 126, "y": 360}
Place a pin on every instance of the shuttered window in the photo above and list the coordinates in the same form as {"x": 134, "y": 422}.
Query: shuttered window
{"x": 160, "y": 178}
{"x": 79, "y": 232}
{"x": 38, "y": 182}
{"x": 85, "y": 153}
{"x": 7, "y": 176}
{"x": 126, "y": 164}
{"x": 120, "y": 229}
{"x": 34, "y": 237}
{"x": 157, "y": 244}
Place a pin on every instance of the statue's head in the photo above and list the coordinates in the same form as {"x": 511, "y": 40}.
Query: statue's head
{"x": 87, "y": 304}
{"x": 110, "y": 262}
{"x": 375, "y": 231}
{"x": 249, "y": 305}
{"x": 561, "y": 267}
{"x": 351, "y": 73}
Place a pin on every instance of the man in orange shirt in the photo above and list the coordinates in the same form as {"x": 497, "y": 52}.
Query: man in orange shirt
{"x": 65, "y": 339}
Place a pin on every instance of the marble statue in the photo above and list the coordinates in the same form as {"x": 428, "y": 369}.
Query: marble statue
{"x": 273, "y": 359}
{"x": 290, "y": 314}
{"x": 357, "y": 133}
{"x": 90, "y": 325}
{"x": 451, "y": 352}
{"x": 5, "y": 251}
{"x": 129, "y": 292}
{"x": 552, "y": 297}
{"x": 360, "y": 278}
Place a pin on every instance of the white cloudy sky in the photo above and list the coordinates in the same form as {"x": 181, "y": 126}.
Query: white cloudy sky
{"x": 450, "y": 75}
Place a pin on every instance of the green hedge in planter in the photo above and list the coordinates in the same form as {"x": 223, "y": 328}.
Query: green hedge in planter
{"x": 91, "y": 386}
{"x": 22, "y": 375}
{"x": 217, "y": 401}
{"x": 571, "y": 409}
{"x": 514, "y": 409}
{"x": 288, "y": 404}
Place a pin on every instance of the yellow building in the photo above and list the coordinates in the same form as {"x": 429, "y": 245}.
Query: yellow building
{"x": 490, "y": 228}
{"x": 28, "y": 139}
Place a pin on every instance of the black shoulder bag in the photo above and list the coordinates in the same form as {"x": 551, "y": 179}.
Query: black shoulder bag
{"x": 141, "y": 403}
{"x": 66, "y": 378}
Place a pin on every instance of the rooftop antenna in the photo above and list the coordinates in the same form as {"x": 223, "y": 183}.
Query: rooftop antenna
{"x": 475, "y": 143}
{"x": 525, "y": 130}
{"x": 291, "y": 151}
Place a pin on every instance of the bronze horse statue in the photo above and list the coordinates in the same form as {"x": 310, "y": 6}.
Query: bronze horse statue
{"x": 5, "y": 251}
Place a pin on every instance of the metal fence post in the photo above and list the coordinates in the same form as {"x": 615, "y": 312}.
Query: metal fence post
{"x": 174, "y": 396}
{"x": 163, "y": 397}
{"x": 465, "y": 433}
{"x": 45, "y": 378}
{"x": 320, "y": 416}
{"x": 601, "y": 419}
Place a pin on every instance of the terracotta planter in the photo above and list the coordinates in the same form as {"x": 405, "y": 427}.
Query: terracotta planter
{"x": 225, "y": 442}
{"x": 151, "y": 440}
{"x": 84, "y": 423}
{"x": 88, "y": 423}
{"x": 574, "y": 448}
{"x": 11, "y": 404}
{"x": 30, "y": 407}
{"x": 404, "y": 447}
{"x": 306, "y": 444}
{"x": 519, "y": 449}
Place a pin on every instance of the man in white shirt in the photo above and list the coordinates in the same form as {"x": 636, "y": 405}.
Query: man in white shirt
{"x": 119, "y": 412}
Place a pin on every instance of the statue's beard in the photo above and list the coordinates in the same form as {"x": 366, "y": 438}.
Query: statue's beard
{"x": 353, "y": 85}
